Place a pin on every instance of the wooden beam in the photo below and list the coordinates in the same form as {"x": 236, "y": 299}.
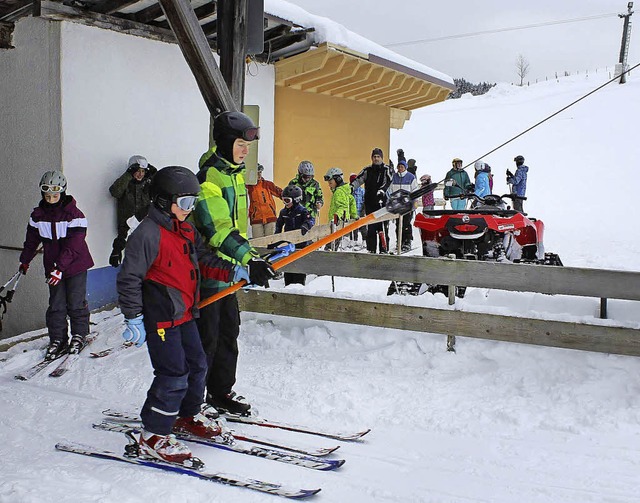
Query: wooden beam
{"x": 111, "y": 6}
{"x": 232, "y": 45}
{"x": 6, "y": 34}
{"x": 600, "y": 338}
{"x": 382, "y": 81}
{"x": 18, "y": 9}
{"x": 552, "y": 280}
{"x": 202, "y": 12}
{"x": 58, "y": 12}
{"x": 369, "y": 73}
{"x": 196, "y": 51}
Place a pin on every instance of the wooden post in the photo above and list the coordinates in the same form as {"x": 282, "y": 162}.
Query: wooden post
{"x": 196, "y": 51}
{"x": 232, "y": 45}
{"x": 603, "y": 308}
{"x": 451, "y": 339}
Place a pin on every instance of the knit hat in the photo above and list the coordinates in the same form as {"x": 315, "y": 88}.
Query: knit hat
{"x": 377, "y": 151}
{"x": 425, "y": 178}
{"x": 411, "y": 163}
{"x": 402, "y": 163}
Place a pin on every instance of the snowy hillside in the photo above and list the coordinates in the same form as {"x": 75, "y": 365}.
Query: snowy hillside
{"x": 494, "y": 422}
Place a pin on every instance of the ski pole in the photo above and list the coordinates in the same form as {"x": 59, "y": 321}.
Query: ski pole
{"x": 13, "y": 278}
{"x": 399, "y": 202}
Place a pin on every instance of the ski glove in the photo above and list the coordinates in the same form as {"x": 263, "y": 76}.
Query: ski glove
{"x": 509, "y": 174}
{"x": 260, "y": 271}
{"x": 115, "y": 258}
{"x": 240, "y": 273}
{"x": 135, "y": 331}
{"x": 55, "y": 277}
{"x": 23, "y": 268}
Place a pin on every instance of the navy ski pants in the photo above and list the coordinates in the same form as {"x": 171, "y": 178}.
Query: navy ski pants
{"x": 180, "y": 369}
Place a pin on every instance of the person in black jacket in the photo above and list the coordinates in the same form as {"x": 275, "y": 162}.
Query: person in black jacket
{"x": 376, "y": 179}
{"x": 131, "y": 190}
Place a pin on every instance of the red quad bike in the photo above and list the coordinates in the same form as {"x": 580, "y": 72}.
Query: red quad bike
{"x": 490, "y": 230}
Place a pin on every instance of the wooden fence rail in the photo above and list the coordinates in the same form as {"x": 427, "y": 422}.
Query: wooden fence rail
{"x": 596, "y": 283}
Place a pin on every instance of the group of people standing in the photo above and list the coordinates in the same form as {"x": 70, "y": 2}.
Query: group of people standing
{"x": 458, "y": 183}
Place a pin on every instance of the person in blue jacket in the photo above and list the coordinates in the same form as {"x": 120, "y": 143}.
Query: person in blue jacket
{"x": 518, "y": 181}
{"x": 482, "y": 186}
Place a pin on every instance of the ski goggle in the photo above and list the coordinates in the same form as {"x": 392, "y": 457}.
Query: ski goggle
{"x": 251, "y": 133}
{"x": 186, "y": 203}
{"x": 51, "y": 188}
{"x": 287, "y": 200}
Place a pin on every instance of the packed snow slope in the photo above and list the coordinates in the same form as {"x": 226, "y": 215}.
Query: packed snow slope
{"x": 493, "y": 422}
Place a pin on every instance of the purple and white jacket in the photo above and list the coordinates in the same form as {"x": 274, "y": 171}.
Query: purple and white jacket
{"x": 61, "y": 228}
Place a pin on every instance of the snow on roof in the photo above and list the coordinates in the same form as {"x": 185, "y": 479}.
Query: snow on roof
{"x": 327, "y": 30}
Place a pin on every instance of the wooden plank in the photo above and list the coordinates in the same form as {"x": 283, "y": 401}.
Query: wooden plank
{"x": 599, "y": 283}
{"x": 197, "y": 53}
{"x": 232, "y": 45}
{"x": 599, "y": 338}
{"x": 111, "y": 6}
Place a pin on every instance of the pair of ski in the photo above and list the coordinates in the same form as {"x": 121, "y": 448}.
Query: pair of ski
{"x": 65, "y": 362}
{"x": 256, "y": 485}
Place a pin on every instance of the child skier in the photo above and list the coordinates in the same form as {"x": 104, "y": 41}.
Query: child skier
{"x": 158, "y": 287}
{"x": 343, "y": 204}
{"x": 61, "y": 227}
{"x": 294, "y": 216}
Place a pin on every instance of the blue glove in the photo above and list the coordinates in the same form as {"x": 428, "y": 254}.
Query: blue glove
{"x": 135, "y": 331}
{"x": 240, "y": 273}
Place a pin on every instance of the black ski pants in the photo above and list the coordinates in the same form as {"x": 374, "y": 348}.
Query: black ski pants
{"x": 68, "y": 298}
{"x": 219, "y": 326}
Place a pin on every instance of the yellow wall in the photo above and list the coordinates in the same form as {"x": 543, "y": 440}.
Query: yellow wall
{"x": 329, "y": 132}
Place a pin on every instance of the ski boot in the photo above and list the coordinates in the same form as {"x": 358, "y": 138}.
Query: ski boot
{"x": 165, "y": 448}
{"x": 209, "y": 411}
{"x": 56, "y": 349}
{"x": 198, "y": 425}
{"x": 232, "y": 403}
{"x": 77, "y": 343}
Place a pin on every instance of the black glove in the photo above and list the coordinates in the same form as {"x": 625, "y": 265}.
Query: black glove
{"x": 133, "y": 168}
{"x": 509, "y": 174}
{"x": 303, "y": 230}
{"x": 400, "y": 152}
{"x": 471, "y": 187}
{"x": 115, "y": 258}
{"x": 260, "y": 272}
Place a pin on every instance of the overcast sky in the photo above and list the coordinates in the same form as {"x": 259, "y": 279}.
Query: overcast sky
{"x": 565, "y": 46}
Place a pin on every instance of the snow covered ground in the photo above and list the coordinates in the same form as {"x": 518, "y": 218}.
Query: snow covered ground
{"x": 494, "y": 422}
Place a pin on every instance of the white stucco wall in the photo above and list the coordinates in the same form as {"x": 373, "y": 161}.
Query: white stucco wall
{"x": 125, "y": 95}
{"x": 85, "y": 99}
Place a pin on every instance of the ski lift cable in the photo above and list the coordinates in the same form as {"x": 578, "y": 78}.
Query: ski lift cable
{"x": 552, "y": 115}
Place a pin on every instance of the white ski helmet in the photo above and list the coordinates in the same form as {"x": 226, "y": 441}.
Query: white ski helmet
{"x": 53, "y": 181}
{"x": 479, "y": 165}
{"x": 139, "y": 160}
{"x": 305, "y": 168}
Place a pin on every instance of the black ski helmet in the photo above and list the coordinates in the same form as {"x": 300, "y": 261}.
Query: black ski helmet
{"x": 519, "y": 160}
{"x": 170, "y": 183}
{"x": 294, "y": 192}
{"x": 228, "y": 127}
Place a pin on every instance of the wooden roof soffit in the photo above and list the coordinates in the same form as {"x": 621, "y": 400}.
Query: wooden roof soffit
{"x": 343, "y": 73}
{"x": 397, "y": 117}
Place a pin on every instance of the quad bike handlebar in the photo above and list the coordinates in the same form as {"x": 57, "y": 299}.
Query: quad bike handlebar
{"x": 490, "y": 199}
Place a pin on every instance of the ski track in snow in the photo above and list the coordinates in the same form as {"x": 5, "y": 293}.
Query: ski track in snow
{"x": 494, "y": 422}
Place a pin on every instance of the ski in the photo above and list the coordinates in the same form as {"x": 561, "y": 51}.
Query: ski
{"x": 111, "y": 351}
{"x": 36, "y": 369}
{"x": 70, "y": 359}
{"x": 258, "y": 421}
{"x": 222, "y": 443}
{"x": 317, "y": 452}
{"x": 233, "y": 480}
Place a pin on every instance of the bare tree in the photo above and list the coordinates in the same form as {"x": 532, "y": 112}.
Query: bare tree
{"x": 522, "y": 68}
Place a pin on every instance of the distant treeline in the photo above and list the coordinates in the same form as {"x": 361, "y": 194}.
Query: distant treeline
{"x": 464, "y": 87}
